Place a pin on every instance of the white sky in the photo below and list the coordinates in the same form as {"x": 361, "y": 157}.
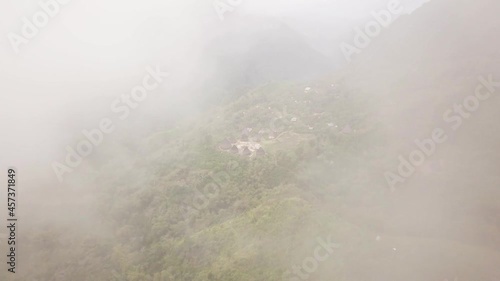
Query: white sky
{"x": 100, "y": 47}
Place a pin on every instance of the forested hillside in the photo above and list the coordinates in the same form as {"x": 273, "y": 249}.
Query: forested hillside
{"x": 250, "y": 189}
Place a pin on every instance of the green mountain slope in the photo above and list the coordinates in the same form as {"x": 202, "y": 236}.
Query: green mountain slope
{"x": 185, "y": 209}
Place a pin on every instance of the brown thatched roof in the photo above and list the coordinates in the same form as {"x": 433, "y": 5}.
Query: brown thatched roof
{"x": 234, "y": 149}
{"x": 225, "y": 145}
{"x": 246, "y": 151}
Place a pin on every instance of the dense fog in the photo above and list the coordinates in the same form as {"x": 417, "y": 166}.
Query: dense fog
{"x": 250, "y": 140}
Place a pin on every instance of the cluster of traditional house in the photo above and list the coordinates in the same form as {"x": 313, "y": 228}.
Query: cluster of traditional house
{"x": 245, "y": 146}
{"x": 248, "y": 143}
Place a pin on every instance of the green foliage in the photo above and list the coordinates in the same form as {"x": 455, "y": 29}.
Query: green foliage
{"x": 189, "y": 211}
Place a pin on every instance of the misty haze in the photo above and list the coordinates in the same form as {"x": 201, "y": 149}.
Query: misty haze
{"x": 237, "y": 140}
